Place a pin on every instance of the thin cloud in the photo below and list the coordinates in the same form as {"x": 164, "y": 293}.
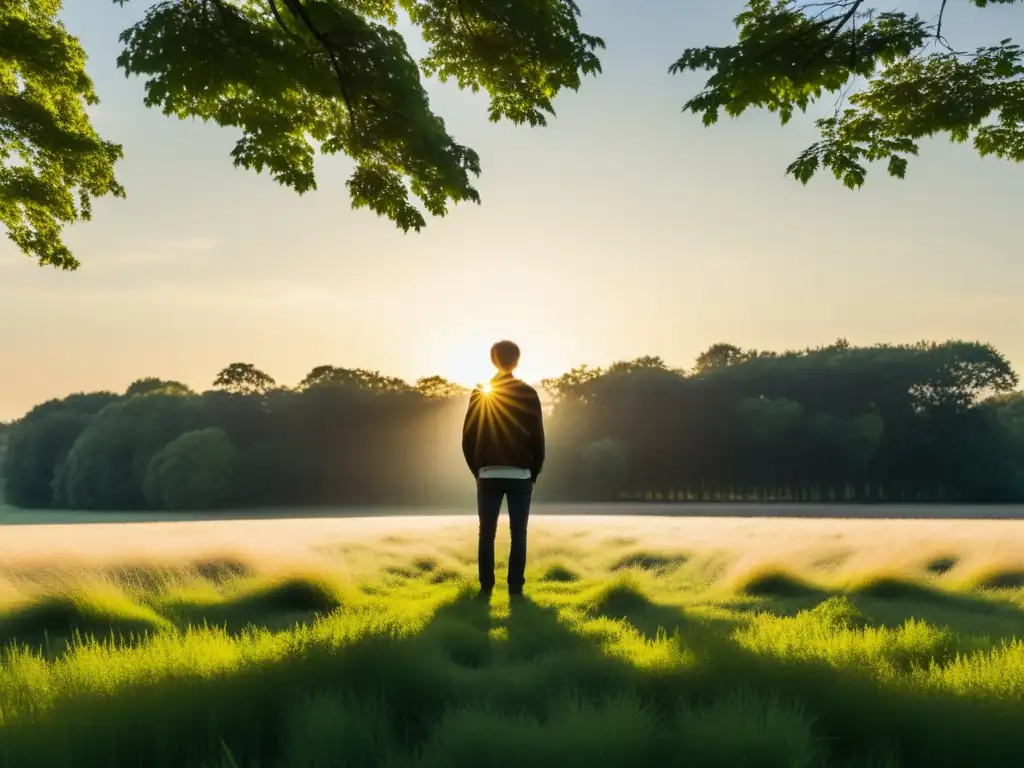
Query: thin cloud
{"x": 159, "y": 251}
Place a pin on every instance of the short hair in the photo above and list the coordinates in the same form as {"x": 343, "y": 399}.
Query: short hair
{"x": 505, "y": 355}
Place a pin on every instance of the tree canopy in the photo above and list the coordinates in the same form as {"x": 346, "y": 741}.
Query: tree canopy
{"x": 193, "y": 471}
{"x": 243, "y": 379}
{"x": 898, "y": 75}
{"x": 330, "y": 375}
{"x": 52, "y": 162}
{"x": 295, "y": 77}
{"x": 151, "y": 385}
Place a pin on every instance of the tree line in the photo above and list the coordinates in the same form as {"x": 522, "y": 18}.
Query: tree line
{"x": 926, "y": 422}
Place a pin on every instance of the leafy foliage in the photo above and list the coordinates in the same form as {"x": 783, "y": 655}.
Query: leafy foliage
{"x": 151, "y": 385}
{"x": 108, "y": 462}
{"x": 439, "y": 388}
{"x": 243, "y": 379}
{"x": 913, "y": 84}
{"x": 193, "y": 471}
{"x": 720, "y": 355}
{"x": 522, "y": 54}
{"x": 330, "y": 375}
{"x": 38, "y": 445}
{"x": 299, "y": 76}
{"x": 35, "y": 452}
{"x": 294, "y": 76}
{"x": 606, "y": 462}
{"x": 52, "y": 162}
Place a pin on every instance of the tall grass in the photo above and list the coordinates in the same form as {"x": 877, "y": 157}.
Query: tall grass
{"x": 615, "y": 659}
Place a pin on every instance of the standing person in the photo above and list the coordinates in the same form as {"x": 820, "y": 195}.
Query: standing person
{"x": 503, "y": 442}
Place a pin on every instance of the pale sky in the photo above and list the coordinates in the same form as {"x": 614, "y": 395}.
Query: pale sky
{"x": 623, "y": 228}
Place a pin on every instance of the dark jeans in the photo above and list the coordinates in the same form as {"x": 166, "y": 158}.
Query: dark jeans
{"x": 489, "y": 493}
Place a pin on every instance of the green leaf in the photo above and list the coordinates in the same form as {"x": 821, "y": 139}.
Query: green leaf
{"x": 292, "y": 76}
{"x": 893, "y": 86}
{"x": 898, "y": 167}
{"x": 52, "y": 162}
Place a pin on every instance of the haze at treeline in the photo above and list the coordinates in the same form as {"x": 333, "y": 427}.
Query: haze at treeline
{"x": 926, "y": 422}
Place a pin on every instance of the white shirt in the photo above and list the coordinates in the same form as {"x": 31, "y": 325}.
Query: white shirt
{"x": 504, "y": 473}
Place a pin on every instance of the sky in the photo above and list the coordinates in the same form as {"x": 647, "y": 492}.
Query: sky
{"x": 623, "y": 228}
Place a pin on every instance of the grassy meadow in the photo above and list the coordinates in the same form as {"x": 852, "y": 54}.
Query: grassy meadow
{"x": 374, "y": 652}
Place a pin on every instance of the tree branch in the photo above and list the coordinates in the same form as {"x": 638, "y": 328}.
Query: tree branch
{"x": 940, "y": 39}
{"x": 843, "y": 21}
{"x": 942, "y": 11}
{"x": 840, "y": 22}
{"x": 466, "y": 22}
{"x": 280, "y": 22}
{"x": 296, "y": 8}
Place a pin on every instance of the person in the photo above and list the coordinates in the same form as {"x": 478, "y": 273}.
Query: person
{"x": 503, "y": 442}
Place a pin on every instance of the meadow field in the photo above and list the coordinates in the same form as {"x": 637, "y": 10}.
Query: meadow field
{"x": 668, "y": 641}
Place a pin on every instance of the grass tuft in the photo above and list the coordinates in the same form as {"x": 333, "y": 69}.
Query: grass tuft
{"x": 323, "y": 729}
{"x": 619, "y": 599}
{"x": 838, "y": 613}
{"x": 274, "y": 604}
{"x": 1009, "y": 578}
{"x": 425, "y": 565}
{"x": 619, "y": 731}
{"x": 895, "y": 587}
{"x": 831, "y": 562}
{"x": 403, "y": 571}
{"x": 560, "y": 574}
{"x": 101, "y": 612}
{"x": 650, "y": 561}
{"x": 774, "y": 582}
{"x": 223, "y": 569}
{"x": 295, "y": 595}
{"x": 942, "y": 565}
{"x": 139, "y": 578}
{"x": 748, "y": 730}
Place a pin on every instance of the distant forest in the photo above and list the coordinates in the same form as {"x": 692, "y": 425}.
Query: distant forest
{"x": 928, "y": 422}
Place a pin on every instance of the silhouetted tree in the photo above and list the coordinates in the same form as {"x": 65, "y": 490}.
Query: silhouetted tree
{"x": 319, "y": 375}
{"x": 604, "y": 463}
{"x": 439, "y": 388}
{"x": 107, "y": 464}
{"x": 329, "y": 375}
{"x": 38, "y": 444}
{"x": 244, "y": 379}
{"x": 571, "y": 385}
{"x": 193, "y": 471}
{"x": 719, "y": 356}
{"x": 151, "y": 385}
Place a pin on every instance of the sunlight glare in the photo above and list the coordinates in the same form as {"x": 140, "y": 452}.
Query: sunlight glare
{"x": 466, "y": 360}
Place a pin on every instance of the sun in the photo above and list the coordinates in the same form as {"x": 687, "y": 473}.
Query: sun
{"x": 467, "y": 361}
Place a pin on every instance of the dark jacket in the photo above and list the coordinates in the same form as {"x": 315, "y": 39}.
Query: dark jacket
{"x": 504, "y": 427}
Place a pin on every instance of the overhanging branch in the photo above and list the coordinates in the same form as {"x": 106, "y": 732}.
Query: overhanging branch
{"x": 296, "y": 8}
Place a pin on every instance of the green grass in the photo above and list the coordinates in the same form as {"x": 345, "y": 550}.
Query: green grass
{"x": 616, "y": 658}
